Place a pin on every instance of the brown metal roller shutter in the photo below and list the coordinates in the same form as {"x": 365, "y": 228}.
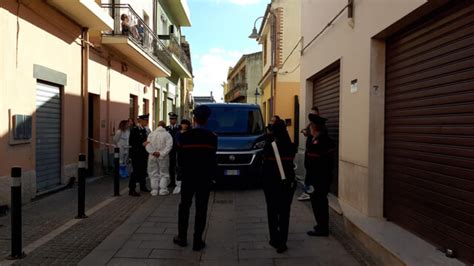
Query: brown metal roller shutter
{"x": 429, "y": 129}
{"x": 326, "y": 97}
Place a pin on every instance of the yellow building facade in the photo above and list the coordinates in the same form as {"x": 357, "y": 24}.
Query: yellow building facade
{"x": 280, "y": 37}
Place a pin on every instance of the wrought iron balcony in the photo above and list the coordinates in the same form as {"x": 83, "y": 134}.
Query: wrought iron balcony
{"x": 176, "y": 48}
{"x": 182, "y": 61}
{"x": 129, "y": 26}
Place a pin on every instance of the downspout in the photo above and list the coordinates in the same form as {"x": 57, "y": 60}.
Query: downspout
{"x": 84, "y": 87}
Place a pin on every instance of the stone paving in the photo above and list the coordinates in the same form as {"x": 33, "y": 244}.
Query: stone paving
{"x": 69, "y": 247}
{"x": 42, "y": 216}
{"x": 236, "y": 234}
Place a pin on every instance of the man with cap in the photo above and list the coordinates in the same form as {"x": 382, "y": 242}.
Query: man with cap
{"x": 197, "y": 159}
{"x": 319, "y": 162}
{"x": 173, "y": 128}
{"x": 307, "y": 134}
{"x": 139, "y": 155}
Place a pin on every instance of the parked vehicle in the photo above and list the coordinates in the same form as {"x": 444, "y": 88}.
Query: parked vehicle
{"x": 241, "y": 135}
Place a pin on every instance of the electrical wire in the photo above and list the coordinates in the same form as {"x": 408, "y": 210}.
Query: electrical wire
{"x": 325, "y": 28}
{"x": 288, "y": 57}
{"x": 289, "y": 72}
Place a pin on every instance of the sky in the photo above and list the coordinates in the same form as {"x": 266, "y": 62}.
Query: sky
{"x": 218, "y": 38}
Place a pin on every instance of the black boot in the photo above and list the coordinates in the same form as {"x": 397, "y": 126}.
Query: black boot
{"x": 282, "y": 248}
{"x": 318, "y": 231}
{"x": 180, "y": 241}
{"x": 198, "y": 245}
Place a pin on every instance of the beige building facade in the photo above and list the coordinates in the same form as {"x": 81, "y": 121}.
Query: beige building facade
{"x": 387, "y": 74}
{"x": 69, "y": 74}
{"x": 279, "y": 36}
{"x": 243, "y": 78}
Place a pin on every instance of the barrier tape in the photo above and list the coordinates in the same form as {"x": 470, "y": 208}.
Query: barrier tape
{"x": 102, "y": 143}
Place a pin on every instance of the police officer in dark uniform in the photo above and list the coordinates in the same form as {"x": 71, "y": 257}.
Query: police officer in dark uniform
{"x": 139, "y": 155}
{"x": 279, "y": 193}
{"x": 319, "y": 165}
{"x": 173, "y": 128}
{"x": 197, "y": 159}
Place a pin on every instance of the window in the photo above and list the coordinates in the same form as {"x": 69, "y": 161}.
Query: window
{"x": 235, "y": 121}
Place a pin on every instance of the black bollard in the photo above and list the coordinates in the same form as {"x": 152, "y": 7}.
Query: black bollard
{"x": 116, "y": 172}
{"x": 17, "y": 250}
{"x": 81, "y": 191}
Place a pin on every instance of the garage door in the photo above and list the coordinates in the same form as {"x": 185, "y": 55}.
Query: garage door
{"x": 48, "y": 136}
{"x": 326, "y": 97}
{"x": 429, "y": 129}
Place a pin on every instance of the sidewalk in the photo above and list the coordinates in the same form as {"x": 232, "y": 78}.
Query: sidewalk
{"x": 236, "y": 234}
{"x": 47, "y": 214}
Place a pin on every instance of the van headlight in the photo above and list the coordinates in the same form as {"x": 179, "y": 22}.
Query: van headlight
{"x": 259, "y": 145}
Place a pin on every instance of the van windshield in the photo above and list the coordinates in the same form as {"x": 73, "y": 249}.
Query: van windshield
{"x": 239, "y": 121}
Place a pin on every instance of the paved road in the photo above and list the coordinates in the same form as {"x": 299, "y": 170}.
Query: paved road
{"x": 236, "y": 234}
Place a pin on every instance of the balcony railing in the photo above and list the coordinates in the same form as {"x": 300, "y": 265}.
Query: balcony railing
{"x": 239, "y": 90}
{"x": 176, "y": 48}
{"x": 128, "y": 23}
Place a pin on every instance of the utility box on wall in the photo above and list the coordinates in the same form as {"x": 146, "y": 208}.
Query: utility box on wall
{"x": 22, "y": 127}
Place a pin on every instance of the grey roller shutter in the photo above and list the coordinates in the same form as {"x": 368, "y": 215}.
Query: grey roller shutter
{"x": 326, "y": 87}
{"x": 48, "y": 136}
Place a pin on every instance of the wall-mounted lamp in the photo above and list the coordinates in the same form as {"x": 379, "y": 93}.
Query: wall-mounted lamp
{"x": 254, "y": 34}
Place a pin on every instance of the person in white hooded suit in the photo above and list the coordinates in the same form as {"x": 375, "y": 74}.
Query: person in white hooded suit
{"x": 159, "y": 147}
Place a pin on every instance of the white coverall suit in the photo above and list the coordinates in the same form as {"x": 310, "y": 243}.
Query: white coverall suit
{"x": 158, "y": 168}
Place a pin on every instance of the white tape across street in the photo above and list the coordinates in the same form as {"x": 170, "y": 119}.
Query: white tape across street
{"x": 102, "y": 143}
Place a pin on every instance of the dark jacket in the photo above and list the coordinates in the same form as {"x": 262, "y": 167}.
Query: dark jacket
{"x": 138, "y": 135}
{"x": 197, "y": 155}
{"x": 271, "y": 173}
{"x": 173, "y": 131}
{"x": 319, "y": 158}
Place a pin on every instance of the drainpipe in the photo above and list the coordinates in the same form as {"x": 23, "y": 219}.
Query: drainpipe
{"x": 84, "y": 87}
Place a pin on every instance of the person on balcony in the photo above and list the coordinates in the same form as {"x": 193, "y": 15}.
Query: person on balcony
{"x": 128, "y": 29}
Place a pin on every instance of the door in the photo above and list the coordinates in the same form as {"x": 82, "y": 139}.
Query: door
{"x": 133, "y": 107}
{"x": 429, "y": 129}
{"x": 326, "y": 87}
{"x": 48, "y": 136}
{"x": 94, "y": 158}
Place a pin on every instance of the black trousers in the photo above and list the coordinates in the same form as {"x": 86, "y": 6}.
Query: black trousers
{"x": 279, "y": 198}
{"x": 188, "y": 191}
{"x": 172, "y": 167}
{"x": 320, "y": 203}
{"x": 139, "y": 164}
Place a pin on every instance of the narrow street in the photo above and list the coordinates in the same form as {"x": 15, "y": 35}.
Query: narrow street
{"x": 139, "y": 231}
{"x": 236, "y": 234}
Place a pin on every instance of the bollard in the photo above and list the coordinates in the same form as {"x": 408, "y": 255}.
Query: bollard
{"x": 81, "y": 191}
{"x": 117, "y": 172}
{"x": 17, "y": 250}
